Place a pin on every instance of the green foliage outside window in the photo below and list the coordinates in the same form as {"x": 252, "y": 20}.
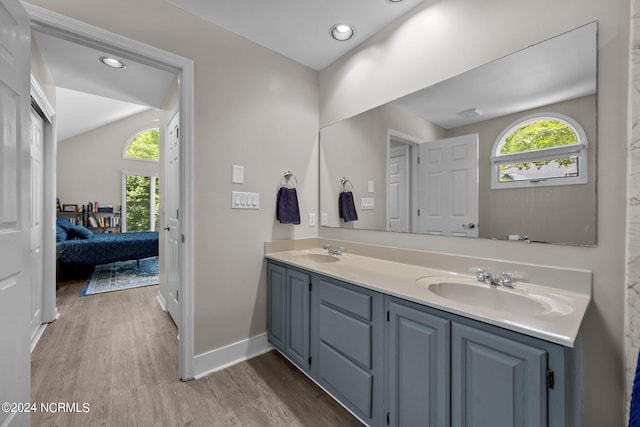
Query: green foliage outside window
{"x": 146, "y": 145}
{"x": 138, "y": 202}
{"x": 538, "y": 135}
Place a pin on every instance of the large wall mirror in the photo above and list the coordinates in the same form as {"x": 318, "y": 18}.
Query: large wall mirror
{"x": 504, "y": 151}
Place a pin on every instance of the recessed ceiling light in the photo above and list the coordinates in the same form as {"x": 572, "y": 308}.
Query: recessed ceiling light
{"x": 342, "y": 32}
{"x": 112, "y": 62}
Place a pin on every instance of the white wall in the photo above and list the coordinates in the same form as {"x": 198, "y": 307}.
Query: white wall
{"x": 254, "y": 108}
{"x": 90, "y": 165}
{"x": 444, "y": 38}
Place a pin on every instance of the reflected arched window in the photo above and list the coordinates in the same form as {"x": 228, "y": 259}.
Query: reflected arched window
{"x": 540, "y": 150}
{"x": 144, "y": 145}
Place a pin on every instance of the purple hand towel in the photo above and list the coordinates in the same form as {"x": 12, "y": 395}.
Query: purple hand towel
{"x": 287, "y": 210}
{"x": 347, "y": 207}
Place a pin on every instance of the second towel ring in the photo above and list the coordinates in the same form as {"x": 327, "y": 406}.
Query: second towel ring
{"x": 286, "y": 179}
{"x": 344, "y": 181}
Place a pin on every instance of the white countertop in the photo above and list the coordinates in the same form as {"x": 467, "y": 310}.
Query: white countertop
{"x": 558, "y": 320}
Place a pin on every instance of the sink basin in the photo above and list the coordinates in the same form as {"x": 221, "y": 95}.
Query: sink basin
{"x": 485, "y": 296}
{"x": 317, "y": 258}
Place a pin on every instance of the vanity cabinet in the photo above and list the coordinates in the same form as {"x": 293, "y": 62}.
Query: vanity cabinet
{"x": 288, "y": 313}
{"x": 396, "y": 362}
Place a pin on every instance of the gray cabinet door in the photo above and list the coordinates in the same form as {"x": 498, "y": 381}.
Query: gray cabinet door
{"x": 298, "y": 303}
{"x": 276, "y": 305}
{"x": 418, "y": 350}
{"x": 496, "y": 381}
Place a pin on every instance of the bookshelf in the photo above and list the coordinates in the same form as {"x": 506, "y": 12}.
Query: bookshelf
{"x": 99, "y": 219}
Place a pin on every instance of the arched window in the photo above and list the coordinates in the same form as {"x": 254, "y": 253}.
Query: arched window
{"x": 140, "y": 190}
{"x": 144, "y": 145}
{"x": 540, "y": 150}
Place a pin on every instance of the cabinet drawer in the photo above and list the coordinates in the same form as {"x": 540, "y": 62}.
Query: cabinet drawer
{"x": 346, "y": 334}
{"x": 350, "y": 301}
{"x": 347, "y": 379}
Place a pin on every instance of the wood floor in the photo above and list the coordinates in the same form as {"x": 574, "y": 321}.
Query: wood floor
{"x": 118, "y": 353}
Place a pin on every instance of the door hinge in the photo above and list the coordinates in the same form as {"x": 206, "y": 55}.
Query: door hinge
{"x": 177, "y": 294}
{"x": 418, "y": 212}
{"x": 550, "y": 378}
{"x": 388, "y": 316}
{"x": 310, "y": 286}
{"x": 177, "y": 132}
{"x": 309, "y": 360}
{"x": 177, "y": 214}
{"x": 183, "y": 238}
{"x": 418, "y": 160}
{"x": 388, "y": 419}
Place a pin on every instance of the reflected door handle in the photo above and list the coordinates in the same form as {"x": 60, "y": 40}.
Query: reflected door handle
{"x": 470, "y": 226}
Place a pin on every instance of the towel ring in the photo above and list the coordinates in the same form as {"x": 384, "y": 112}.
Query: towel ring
{"x": 286, "y": 178}
{"x": 344, "y": 181}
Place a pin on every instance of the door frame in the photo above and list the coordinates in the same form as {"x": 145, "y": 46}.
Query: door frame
{"x": 412, "y": 176}
{"x": 80, "y": 32}
{"x": 49, "y": 311}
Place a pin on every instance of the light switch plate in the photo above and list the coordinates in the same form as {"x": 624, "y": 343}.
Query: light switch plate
{"x": 366, "y": 203}
{"x": 237, "y": 174}
{"x": 242, "y": 200}
{"x": 323, "y": 218}
{"x": 370, "y": 186}
{"x": 312, "y": 219}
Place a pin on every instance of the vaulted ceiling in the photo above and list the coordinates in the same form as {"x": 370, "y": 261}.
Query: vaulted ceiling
{"x": 91, "y": 95}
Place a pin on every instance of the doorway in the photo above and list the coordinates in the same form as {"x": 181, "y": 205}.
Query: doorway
{"x": 64, "y": 27}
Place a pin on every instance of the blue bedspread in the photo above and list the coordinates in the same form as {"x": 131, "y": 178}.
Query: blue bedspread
{"x": 107, "y": 248}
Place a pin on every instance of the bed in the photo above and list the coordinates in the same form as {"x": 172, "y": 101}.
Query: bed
{"x": 78, "y": 245}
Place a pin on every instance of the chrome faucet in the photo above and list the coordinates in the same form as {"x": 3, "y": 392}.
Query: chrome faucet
{"x": 482, "y": 275}
{"x": 333, "y": 251}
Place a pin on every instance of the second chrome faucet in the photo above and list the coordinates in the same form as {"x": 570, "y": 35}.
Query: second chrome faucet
{"x": 334, "y": 251}
{"x": 505, "y": 279}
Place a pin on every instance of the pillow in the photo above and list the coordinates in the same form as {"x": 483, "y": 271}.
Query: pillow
{"x": 79, "y": 232}
{"x": 61, "y": 234}
{"x": 63, "y": 223}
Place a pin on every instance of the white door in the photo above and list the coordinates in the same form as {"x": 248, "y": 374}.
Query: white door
{"x": 448, "y": 187}
{"x": 37, "y": 211}
{"x": 14, "y": 209}
{"x": 398, "y": 191}
{"x": 172, "y": 252}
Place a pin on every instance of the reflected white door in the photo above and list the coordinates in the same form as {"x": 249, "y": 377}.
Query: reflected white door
{"x": 37, "y": 211}
{"x": 15, "y": 192}
{"x": 448, "y": 187}
{"x": 172, "y": 229}
{"x": 398, "y": 191}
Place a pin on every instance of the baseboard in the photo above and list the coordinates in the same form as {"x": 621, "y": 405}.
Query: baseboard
{"x": 37, "y": 336}
{"x": 223, "y": 357}
{"x": 160, "y": 299}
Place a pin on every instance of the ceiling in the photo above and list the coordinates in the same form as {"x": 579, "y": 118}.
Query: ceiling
{"x": 298, "y": 29}
{"x": 89, "y": 94}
